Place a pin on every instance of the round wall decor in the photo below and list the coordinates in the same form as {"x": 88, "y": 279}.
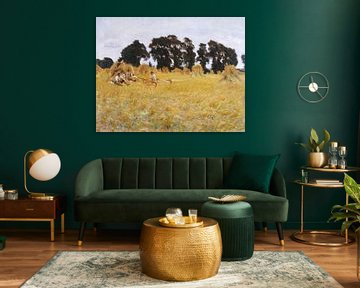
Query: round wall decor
{"x": 313, "y": 87}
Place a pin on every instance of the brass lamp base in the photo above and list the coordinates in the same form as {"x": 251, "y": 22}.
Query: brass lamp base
{"x": 41, "y": 196}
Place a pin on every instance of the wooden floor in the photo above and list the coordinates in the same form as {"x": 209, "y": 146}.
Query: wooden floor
{"x": 28, "y": 250}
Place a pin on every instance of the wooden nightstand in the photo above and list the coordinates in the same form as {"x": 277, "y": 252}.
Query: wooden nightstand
{"x": 26, "y": 209}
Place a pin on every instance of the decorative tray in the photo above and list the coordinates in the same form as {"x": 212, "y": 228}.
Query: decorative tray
{"x": 228, "y": 198}
{"x": 165, "y": 222}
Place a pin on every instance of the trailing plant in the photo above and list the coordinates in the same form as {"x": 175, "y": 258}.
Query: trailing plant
{"x": 314, "y": 144}
{"x": 349, "y": 214}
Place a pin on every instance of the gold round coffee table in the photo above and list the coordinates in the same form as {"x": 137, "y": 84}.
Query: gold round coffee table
{"x": 180, "y": 254}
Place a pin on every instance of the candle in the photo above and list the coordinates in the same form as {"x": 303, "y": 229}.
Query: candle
{"x": 342, "y": 154}
{"x": 342, "y": 149}
{"x": 333, "y": 144}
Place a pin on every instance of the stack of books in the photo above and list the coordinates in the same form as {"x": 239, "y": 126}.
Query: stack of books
{"x": 327, "y": 181}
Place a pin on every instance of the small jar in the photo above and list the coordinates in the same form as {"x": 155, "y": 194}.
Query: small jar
{"x": 304, "y": 176}
{"x": 11, "y": 194}
{"x": 2, "y": 192}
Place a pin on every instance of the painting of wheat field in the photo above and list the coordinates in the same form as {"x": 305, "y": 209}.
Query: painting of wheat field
{"x": 170, "y": 74}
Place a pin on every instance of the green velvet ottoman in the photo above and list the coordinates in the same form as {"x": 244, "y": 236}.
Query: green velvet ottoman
{"x": 236, "y": 221}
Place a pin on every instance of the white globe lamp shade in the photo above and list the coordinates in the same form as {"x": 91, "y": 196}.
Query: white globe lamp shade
{"x": 44, "y": 164}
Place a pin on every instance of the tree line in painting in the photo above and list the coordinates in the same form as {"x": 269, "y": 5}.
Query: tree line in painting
{"x": 171, "y": 53}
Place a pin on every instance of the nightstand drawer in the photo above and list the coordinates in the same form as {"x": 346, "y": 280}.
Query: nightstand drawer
{"x": 28, "y": 209}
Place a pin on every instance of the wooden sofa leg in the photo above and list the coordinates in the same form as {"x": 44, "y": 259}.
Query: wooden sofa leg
{"x": 81, "y": 233}
{"x": 265, "y": 227}
{"x": 280, "y": 233}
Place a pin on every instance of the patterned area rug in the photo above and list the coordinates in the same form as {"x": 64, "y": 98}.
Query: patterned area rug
{"x": 122, "y": 269}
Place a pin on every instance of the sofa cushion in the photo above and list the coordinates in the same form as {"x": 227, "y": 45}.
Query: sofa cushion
{"x": 266, "y": 207}
{"x": 251, "y": 172}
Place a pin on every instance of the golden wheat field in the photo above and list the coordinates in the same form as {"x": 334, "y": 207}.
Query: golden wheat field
{"x": 186, "y": 103}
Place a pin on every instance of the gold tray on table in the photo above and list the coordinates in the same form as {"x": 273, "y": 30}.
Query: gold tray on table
{"x": 165, "y": 222}
{"x": 228, "y": 198}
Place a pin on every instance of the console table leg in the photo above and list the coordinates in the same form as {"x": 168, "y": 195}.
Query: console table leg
{"x": 52, "y": 230}
{"x": 302, "y": 210}
{"x": 63, "y": 223}
{"x": 346, "y": 230}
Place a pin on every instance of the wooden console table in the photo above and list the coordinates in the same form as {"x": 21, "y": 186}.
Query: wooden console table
{"x": 26, "y": 209}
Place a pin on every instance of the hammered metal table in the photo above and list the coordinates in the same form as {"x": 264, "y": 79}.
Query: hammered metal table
{"x": 180, "y": 254}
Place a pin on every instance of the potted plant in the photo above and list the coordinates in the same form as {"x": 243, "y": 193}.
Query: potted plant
{"x": 317, "y": 157}
{"x": 350, "y": 213}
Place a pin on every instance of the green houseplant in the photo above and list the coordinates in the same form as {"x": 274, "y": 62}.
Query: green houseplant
{"x": 350, "y": 214}
{"x": 317, "y": 157}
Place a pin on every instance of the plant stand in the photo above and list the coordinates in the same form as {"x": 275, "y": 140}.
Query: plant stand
{"x": 297, "y": 235}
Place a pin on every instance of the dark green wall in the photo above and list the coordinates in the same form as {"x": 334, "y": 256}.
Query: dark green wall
{"x": 48, "y": 87}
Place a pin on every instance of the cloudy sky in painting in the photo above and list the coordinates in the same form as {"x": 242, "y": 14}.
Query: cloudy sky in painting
{"x": 113, "y": 34}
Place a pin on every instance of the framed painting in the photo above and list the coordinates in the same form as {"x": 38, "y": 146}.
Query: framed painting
{"x": 170, "y": 74}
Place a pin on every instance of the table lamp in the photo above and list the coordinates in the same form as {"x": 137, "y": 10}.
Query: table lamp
{"x": 43, "y": 165}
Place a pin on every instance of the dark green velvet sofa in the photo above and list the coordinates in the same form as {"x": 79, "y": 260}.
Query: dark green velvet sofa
{"x": 131, "y": 190}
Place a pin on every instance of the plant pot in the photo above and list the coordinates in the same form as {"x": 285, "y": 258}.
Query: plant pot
{"x": 317, "y": 159}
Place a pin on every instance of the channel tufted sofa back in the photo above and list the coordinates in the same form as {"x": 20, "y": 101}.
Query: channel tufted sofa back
{"x": 164, "y": 173}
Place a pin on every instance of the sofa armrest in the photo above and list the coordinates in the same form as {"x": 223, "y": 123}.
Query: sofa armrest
{"x": 89, "y": 179}
{"x": 277, "y": 184}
